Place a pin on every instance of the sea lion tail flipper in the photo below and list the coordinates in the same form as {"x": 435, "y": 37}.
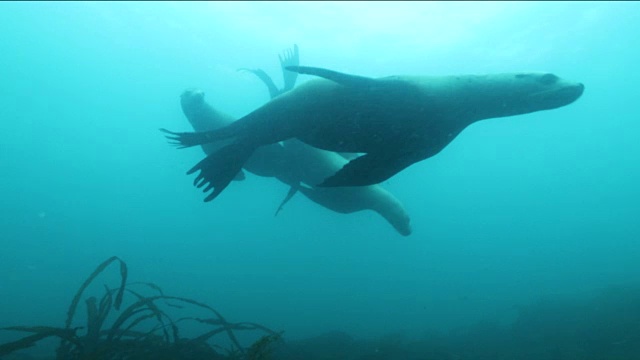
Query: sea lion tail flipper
{"x": 289, "y": 58}
{"x": 188, "y": 139}
{"x": 218, "y": 169}
{"x": 266, "y": 79}
{"x": 292, "y": 191}
{"x": 340, "y": 78}
{"x": 368, "y": 169}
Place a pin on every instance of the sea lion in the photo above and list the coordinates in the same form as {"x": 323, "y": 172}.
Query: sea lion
{"x": 305, "y": 165}
{"x": 396, "y": 120}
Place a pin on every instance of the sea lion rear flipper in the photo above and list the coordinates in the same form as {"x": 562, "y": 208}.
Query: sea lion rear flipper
{"x": 218, "y": 169}
{"x": 292, "y": 191}
{"x": 340, "y": 78}
{"x": 368, "y": 169}
{"x": 266, "y": 79}
{"x": 289, "y": 58}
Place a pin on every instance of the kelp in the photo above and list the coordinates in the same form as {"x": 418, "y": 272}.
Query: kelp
{"x": 40, "y": 332}
{"x": 126, "y": 339}
{"x": 123, "y": 274}
{"x": 261, "y": 349}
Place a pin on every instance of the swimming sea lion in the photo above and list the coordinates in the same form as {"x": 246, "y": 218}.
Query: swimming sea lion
{"x": 305, "y": 165}
{"x": 395, "y": 120}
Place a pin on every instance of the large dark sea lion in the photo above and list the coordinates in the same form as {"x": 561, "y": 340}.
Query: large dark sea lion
{"x": 304, "y": 166}
{"x": 396, "y": 120}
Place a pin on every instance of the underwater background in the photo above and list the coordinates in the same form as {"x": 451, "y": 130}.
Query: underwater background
{"x": 515, "y": 210}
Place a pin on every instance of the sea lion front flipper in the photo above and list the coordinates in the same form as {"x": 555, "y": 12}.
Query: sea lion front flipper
{"x": 340, "y": 78}
{"x": 292, "y": 191}
{"x": 184, "y": 140}
{"x": 240, "y": 176}
{"x": 369, "y": 169}
{"x": 289, "y": 58}
{"x": 349, "y": 156}
{"x": 218, "y": 169}
{"x": 266, "y": 79}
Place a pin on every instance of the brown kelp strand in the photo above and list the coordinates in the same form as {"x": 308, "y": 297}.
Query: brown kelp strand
{"x": 96, "y": 272}
{"x": 40, "y": 332}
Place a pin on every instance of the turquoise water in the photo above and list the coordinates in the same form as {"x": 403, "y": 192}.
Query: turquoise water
{"x": 513, "y": 210}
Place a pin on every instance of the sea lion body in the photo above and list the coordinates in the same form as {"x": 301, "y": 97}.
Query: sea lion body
{"x": 421, "y": 114}
{"x": 396, "y": 121}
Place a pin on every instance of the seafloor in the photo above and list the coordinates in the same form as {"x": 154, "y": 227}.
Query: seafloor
{"x": 125, "y": 324}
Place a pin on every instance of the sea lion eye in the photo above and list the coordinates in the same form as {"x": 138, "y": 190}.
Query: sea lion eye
{"x": 548, "y": 79}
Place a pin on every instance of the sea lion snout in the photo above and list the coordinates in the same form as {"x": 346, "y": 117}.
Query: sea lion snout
{"x": 572, "y": 92}
{"x": 192, "y": 95}
{"x": 404, "y": 230}
{"x": 192, "y": 98}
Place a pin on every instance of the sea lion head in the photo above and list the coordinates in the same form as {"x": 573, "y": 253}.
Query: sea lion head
{"x": 545, "y": 91}
{"x": 522, "y": 93}
{"x": 195, "y": 108}
{"x": 401, "y": 221}
{"x": 393, "y": 211}
{"x": 191, "y": 98}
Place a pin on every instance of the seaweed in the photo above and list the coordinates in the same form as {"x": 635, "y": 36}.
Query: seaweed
{"x": 261, "y": 349}
{"x": 127, "y": 338}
